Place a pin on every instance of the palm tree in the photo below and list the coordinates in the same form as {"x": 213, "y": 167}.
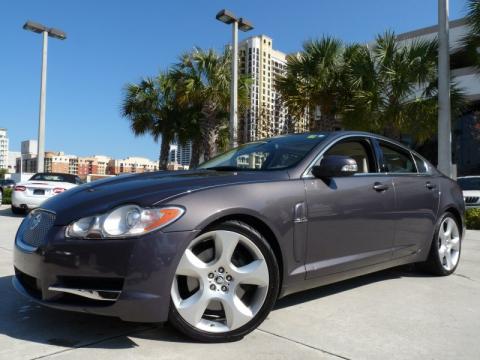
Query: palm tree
{"x": 393, "y": 88}
{"x": 314, "y": 81}
{"x": 151, "y": 108}
{"x": 203, "y": 80}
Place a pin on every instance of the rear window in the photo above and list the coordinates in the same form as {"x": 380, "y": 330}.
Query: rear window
{"x": 54, "y": 177}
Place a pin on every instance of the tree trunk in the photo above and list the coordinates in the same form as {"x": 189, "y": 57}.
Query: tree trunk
{"x": 209, "y": 131}
{"x": 196, "y": 150}
{"x": 164, "y": 151}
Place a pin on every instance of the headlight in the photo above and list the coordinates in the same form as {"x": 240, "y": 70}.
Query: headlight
{"x": 124, "y": 221}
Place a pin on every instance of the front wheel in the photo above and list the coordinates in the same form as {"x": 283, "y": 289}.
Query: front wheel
{"x": 225, "y": 285}
{"x": 446, "y": 245}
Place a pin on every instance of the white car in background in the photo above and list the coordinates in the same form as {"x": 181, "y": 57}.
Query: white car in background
{"x": 30, "y": 194}
{"x": 471, "y": 190}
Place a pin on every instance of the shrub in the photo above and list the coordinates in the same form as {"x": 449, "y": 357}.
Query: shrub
{"x": 473, "y": 219}
{"x": 7, "y": 196}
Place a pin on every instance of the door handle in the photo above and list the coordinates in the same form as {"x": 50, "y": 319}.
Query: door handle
{"x": 430, "y": 186}
{"x": 380, "y": 187}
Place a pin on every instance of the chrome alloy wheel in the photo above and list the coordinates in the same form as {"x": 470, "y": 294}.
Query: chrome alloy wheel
{"x": 449, "y": 243}
{"x": 221, "y": 282}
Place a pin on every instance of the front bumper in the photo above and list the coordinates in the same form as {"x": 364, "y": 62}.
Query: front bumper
{"x": 139, "y": 271}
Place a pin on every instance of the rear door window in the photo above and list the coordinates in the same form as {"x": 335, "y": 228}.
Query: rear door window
{"x": 396, "y": 159}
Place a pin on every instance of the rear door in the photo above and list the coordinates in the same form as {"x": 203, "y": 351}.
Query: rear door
{"x": 417, "y": 198}
{"x": 350, "y": 219}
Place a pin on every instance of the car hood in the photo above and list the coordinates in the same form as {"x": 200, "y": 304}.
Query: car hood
{"x": 148, "y": 189}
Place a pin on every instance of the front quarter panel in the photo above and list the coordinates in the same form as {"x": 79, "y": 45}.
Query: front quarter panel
{"x": 271, "y": 202}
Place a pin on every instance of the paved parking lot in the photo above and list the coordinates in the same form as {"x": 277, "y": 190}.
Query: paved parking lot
{"x": 395, "y": 314}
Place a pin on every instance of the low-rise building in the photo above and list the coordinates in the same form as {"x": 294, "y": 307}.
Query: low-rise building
{"x": 131, "y": 165}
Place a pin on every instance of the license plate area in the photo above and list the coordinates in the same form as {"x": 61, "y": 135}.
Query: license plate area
{"x": 38, "y": 192}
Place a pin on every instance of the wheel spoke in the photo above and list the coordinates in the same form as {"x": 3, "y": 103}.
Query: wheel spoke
{"x": 448, "y": 258}
{"x": 236, "y": 312}
{"x": 225, "y": 244}
{"x": 191, "y": 265}
{"x": 193, "y": 308}
{"x": 448, "y": 230}
{"x": 255, "y": 273}
{"x": 441, "y": 252}
{"x": 455, "y": 243}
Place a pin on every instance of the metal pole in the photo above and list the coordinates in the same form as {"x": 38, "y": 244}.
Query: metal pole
{"x": 43, "y": 95}
{"x": 234, "y": 87}
{"x": 444, "y": 114}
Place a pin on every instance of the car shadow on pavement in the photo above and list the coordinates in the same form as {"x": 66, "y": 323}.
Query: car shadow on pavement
{"x": 23, "y": 319}
{"x": 7, "y": 212}
{"x": 350, "y": 284}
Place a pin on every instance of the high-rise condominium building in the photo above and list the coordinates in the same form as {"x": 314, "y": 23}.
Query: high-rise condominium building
{"x": 266, "y": 115}
{"x": 180, "y": 154}
{"x": 3, "y": 149}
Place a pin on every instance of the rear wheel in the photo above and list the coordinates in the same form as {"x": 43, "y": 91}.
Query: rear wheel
{"x": 225, "y": 285}
{"x": 446, "y": 246}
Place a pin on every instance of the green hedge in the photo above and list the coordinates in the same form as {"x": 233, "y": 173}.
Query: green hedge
{"x": 7, "y": 196}
{"x": 473, "y": 219}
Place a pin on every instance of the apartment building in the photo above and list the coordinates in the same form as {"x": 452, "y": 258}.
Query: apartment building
{"x": 3, "y": 149}
{"x": 131, "y": 165}
{"x": 180, "y": 154}
{"x": 266, "y": 115}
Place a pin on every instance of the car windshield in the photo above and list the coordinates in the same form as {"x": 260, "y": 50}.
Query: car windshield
{"x": 54, "y": 177}
{"x": 270, "y": 154}
{"x": 469, "y": 183}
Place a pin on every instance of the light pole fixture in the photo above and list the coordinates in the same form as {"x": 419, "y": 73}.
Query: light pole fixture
{"x": 228, "y": 18}
{"x": 444, "y": 115}
{"x": 57, "y": 34}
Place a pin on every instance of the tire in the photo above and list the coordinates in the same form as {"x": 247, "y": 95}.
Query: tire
{"x": 222, "y": 321}
{"x": 17, "y": 210}
{"x": 444, "y": 255}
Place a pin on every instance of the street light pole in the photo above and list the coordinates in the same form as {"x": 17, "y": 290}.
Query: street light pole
{"x": 234, "y": 88}
{"x": 229, "y": 18}
{"x": 444, "y": 113}
{"x": 43, "y": 98}
{"x": 57, "y": 34}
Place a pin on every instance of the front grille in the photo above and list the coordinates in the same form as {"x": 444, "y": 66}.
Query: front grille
{"x": 471, "y": 199}
{"x": 36, "y": 227}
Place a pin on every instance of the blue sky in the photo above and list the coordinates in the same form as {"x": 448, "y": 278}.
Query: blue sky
{"x": 111, "y": 43}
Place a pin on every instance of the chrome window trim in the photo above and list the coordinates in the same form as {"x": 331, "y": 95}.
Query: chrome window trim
{"x": 307, "y": 173}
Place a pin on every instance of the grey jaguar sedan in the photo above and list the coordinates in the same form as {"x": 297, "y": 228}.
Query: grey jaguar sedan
{"x": 212, "y": 249}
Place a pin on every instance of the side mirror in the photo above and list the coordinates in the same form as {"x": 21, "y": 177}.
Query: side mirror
{"x": 335, "y": 166}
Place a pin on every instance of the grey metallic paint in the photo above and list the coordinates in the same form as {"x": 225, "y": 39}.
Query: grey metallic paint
{"x": 322, "y": 232}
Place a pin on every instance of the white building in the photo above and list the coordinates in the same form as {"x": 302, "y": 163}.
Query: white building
{"x": 266, "y": 116}
{"x": 29, "y": 147}
{"x": 3, "y": 149}
{"x": 180, "y": 154}
{"x": 466, "y": 129}
{"x": 12, "y": 161}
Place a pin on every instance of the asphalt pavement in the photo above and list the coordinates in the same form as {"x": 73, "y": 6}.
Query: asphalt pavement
{"x": 395, "y": 314}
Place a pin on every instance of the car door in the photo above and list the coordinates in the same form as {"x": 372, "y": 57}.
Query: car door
{"x": 417, "y": 198}
{"x": 350, "y": 219}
